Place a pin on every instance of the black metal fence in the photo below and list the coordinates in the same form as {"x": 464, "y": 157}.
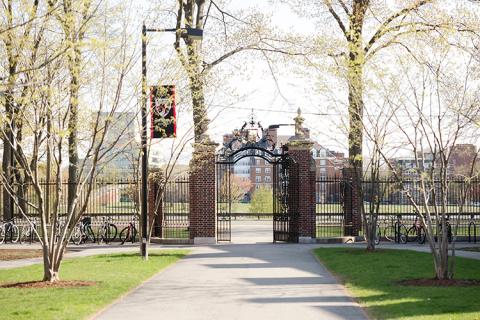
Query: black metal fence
{"x": 176, "y": 209}
{"x": 115, "y": 200}
{"x": 107, "y": 198}
{"x": 329, "y": 207}
{"x": 388, "y": 199}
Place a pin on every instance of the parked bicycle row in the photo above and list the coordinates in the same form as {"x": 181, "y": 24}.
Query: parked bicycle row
{"x": 395, "y": 230}
{"x": 87, "y": 230}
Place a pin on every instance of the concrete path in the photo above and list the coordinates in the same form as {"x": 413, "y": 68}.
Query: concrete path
{"x": 240, "y": 281}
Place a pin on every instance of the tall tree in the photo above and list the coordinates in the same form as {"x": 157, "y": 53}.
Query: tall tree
{"x": 350, "y": 17}
{"x": 18, "y": 40}
{"x": 74, "y": 18}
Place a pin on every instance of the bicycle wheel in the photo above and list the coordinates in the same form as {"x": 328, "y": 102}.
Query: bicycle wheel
{"x": 133, "y": 235}
{"x": 76, "y": 236}
{"x": 23, "y": 235}
{"x": 124, "y": 235}
{"x": 412, "y": 234}
{"x": 402, "y": 234}
{"x": 421, "y": 235}
{"x": 2, "y": 234}
{"x": 90, "y": 235}
{"x": 14, "y": 233}
{"x": 111, "y": 233}
{"x": 389, "y": 233}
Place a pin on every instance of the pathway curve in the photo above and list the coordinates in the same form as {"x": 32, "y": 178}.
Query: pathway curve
{"x": 240, "y": 281}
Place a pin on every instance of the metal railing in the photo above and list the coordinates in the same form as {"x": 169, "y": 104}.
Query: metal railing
{"x": 108, "y": 197}
{"x": 388, "y": 200}
{"x": 176, "y": 209}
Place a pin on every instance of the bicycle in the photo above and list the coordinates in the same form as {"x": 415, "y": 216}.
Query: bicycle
{"x": 449, "y": 230}
{"x": 86, "y": 231}
{"x": 10, "y": 230}
{"x": 472, "y": 227}
{"x": 396, "y": 231}
{"x": 418, "y": 232}
{"x": 28, "y": 232}
{"x": 129, "y": 233}
{"x": 107, "y": 231}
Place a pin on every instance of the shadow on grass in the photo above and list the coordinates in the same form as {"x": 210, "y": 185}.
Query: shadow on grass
{"x": 136, "y": 254}
{"x": 373, "y": 279}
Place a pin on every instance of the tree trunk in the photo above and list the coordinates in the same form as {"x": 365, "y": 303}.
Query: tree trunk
{"x": 200, "y": 117}
{"x": 8, "y": 161}
{"x": 50, "y": 274}
{"x": 370, "y": 236}
{"x": 8, "y": 172}
{"x": 355, "y": 64}
{"x": 73, "y": 126}
{"x": 50, "y": 270}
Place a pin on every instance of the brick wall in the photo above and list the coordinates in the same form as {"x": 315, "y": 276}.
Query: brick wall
{"x": 202, "y": 191}
{"x": 300, "y": 153}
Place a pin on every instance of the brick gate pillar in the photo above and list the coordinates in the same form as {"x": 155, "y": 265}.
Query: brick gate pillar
{"x": 202, "y": 194}
{"x": 300, "y": 151}
{"x": 351, "y": 203}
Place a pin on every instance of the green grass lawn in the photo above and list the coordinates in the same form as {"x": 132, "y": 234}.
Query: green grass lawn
{"x": 372, "y": 278}
{"x": 115, "y": 275}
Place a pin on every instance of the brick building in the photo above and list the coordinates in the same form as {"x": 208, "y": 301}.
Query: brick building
{"x": 328, "y": 163}
{"x": 460, "y": 162}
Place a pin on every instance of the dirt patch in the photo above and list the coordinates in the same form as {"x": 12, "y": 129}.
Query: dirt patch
{"x": 14, "y": 254}
{"x": 440, "y": 283}
{"x": 46, "y": 284}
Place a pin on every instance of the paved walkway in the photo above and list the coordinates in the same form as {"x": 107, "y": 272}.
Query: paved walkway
{"x": 240, "y": 281}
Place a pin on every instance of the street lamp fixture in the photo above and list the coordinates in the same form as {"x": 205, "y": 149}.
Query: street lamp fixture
{"x": 190, "y": 33}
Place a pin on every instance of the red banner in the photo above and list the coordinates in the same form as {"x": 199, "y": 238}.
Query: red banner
{"x": 163, "y": 112}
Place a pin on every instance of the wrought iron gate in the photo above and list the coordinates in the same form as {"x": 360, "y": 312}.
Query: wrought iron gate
{"x": 285, "y": 200}
{"x": 254, "y": 141}
{"x": 224, "y": 201}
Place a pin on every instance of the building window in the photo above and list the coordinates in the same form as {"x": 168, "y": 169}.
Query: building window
{"x": 323, "y": 170}
{"x": 259, "y": 162}
{"x": 258, "y": 179}
{"x": 267, "y": 170}
{"x": 323, "y": 153}
{"x": 258, "y": 170}
{"x": 323, "y": 162}
{"x": 268, "y": 179}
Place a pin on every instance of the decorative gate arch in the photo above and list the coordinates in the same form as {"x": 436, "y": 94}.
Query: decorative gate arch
{"x": 252, "y": 141}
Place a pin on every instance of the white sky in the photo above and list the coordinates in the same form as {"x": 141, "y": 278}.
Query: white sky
{"x": 246, "y": 83}
{"x": 273, "y": 101}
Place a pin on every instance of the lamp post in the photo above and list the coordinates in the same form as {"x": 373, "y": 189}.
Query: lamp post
{"x": 194, "y": 34}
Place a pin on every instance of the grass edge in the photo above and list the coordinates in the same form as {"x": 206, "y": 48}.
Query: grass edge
{"x": 125, "y": 294}
{"x": 341, "y": 282}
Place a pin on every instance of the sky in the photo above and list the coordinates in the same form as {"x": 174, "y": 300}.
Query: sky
{"x": 249, "y": 85}
{"x": 245, "y": 82}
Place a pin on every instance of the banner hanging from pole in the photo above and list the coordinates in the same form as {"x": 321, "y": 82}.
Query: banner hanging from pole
{"x": 163, "y": 112}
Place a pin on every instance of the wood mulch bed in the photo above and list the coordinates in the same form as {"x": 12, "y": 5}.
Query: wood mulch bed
{"x": 440, "y": 283}
{"x": 46, "y": 284}
{"x": 14, "y": 254}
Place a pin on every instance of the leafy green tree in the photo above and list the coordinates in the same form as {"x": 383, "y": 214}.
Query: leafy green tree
{"x": 262, "y": 201}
